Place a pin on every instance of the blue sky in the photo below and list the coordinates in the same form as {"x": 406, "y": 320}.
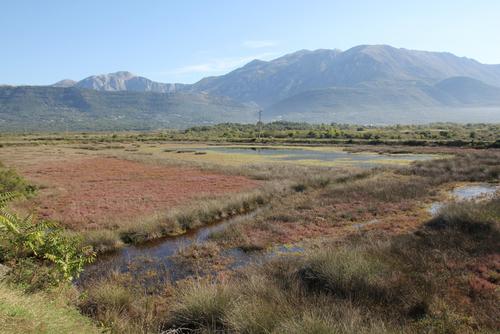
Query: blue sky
{"x": 185, "y": 40}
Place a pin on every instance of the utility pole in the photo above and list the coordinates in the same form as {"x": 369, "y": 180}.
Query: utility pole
{"x": 259, "y": 124}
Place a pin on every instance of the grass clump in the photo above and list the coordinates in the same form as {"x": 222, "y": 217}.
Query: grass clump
{"x": 345, "y": 272}
{"x": 474, "y": 167}
{"x": 38, "y": 313}
{"x": 122, "y": 306}
{"x": 328, "y": 323}
{"x": 110, "y": 296}
{"x": 200, "y": 306}
{"x": 469, "y": 217}
{"x": 233, "y": 233}
{"x": 102, "y": 241}
{"x": 383, "y": 187}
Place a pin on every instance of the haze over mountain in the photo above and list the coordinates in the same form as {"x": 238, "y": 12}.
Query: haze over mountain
{"x": 458, "y": 99}
{"x": 365, "y": 84}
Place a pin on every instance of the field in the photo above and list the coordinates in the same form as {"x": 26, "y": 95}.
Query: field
{"x": 102, "y": 192}
{"x": 198, "y": 233}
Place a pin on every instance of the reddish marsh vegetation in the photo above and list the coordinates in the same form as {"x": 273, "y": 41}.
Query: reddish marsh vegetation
{"x": 104, "y": 192}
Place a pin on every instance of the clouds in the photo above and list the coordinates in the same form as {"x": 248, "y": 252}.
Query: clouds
{"x": 258, "y": 44}
{"x": 220, "y": 65}
{"x": 249, "y": 50}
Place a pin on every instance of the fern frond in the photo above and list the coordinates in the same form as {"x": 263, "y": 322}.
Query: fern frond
{"x": 7, "y": 197}
{"x": 8, "y": 224}
{"x": 28, "y": 220}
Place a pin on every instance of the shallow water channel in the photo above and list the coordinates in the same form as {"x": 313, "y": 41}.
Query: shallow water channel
{"x": 153, "y": 263}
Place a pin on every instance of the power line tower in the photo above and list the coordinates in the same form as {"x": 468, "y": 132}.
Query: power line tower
{"x": 259, "y": 124}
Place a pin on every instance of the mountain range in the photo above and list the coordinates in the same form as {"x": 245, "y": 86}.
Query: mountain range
{"x": 123, "y": 81}
{"x": 365, "y": 84}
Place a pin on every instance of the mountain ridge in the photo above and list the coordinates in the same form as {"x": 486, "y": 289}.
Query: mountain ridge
{"x": 364, "y": 84}
{"x": 126, "y": 81}
{"x": 304, "y": 70}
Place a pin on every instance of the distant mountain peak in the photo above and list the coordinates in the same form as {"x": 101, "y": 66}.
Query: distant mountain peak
{"x": 64, "y": 83}
{"x": 119, "y": 75}
{"x": 255, "y": 62}
{"x": 266, "y": 83}
{"x": 125, "y": 81}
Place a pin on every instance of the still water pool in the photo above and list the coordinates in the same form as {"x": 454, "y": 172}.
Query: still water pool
{"x": 320, "y": 155}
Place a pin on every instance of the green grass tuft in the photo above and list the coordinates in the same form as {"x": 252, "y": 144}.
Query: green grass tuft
{"x": 37, "y": 313}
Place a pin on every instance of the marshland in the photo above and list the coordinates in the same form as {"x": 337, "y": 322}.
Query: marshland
{"x": 195, "y": 231}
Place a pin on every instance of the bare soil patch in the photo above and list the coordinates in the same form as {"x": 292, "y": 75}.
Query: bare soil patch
{"x": 95, "y": 192}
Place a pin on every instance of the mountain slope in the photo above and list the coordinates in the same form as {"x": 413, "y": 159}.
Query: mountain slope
{"x": 456, "y": 99}
{"x": 470, "y": 91}
{"x": 64, "y": 83}
{"x": 33, "y": 108}
{"x": 125, "y": 81}
{"x": 267, "y": 83}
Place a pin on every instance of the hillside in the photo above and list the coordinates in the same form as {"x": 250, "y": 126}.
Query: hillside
{"x": 269, "y": 82}
{"x": 33, "y": 108}
{"x": 470, "y": 91}
{"x": 456, "y": 99}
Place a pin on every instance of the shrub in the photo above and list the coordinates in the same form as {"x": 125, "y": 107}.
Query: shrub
{"x": 300, "y": 187}
{"x": 44, "y": 241}
{"x": 10, "y": 181}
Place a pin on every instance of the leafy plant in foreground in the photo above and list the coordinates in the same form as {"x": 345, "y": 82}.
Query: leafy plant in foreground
{"x": 42, "y": 240}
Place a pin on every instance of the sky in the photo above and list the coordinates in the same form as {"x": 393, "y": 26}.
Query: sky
{"x": 184, "y": 41}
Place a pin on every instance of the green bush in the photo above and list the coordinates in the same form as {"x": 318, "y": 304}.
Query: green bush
{"x": 10, "y": 181}
{"x": 23, "y": 238}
